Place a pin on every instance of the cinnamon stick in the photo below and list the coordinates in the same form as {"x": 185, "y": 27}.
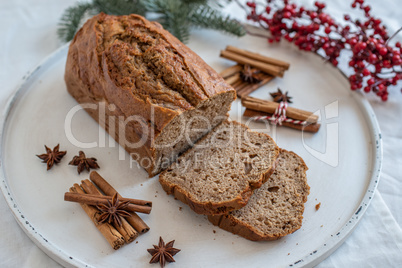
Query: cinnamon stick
{"x": 233, "y": 79}
{"x": 113, "y": 237}
{"x": 128, "y": 232}
{"x": 237, "y": 84}
{"x": 258, "y": 57}
{"x": 265, "y": 67}
{"x": 241, "y": 86}
{"x": 95, "y": 200}
{"x": 105, "y": 197}
{"x": 253, "y": 87}
{"x": 308, "y": 128}
{"x": 102, "y": 184}
{"x": 270, "y": 107}
{"x": 231, "y": 71}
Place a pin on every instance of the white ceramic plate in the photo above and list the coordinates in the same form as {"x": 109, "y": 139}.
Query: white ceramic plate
{"x": 344, "y": 160}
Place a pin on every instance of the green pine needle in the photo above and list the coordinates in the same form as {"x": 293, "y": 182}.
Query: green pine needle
{"x": 120, "y": 7}
{"x": 71, "y": 19}
{"x": 198, "y": 2}
{"x": 209, "y": 18}
{"x": 176, "y": 16}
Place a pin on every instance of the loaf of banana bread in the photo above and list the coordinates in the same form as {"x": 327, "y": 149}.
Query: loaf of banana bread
{"x": 153, "y": 94}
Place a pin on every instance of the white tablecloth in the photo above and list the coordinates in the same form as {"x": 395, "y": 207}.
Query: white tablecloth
{"x": 28, "y": 34}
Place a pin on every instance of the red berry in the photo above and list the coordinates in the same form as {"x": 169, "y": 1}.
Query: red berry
{"x": 370, "y": 82}
{"x": 327, "y": 30}
{"x": 396, "y": 59}
{"x": 367, "y": 9}
{"x": 346, "y": 17}
{"x": 360, "y": 64}
{"x": 354, "y": 5}
{"x": 352, "y": 41}
{"x": 399, "y": 62}
{"x": 268, "y": 9}
{"x": 383, "y": 51}
{"x": 381, "y": 87}
{"x": 367, "y": 89}
{"x": 386, "y": 64}
{"x": 373, "y": 58}
{"x": 313, "y": 15}
{"x": 384, "y": 97}
{"x": 366, "y": 72}
{"x": 251, "y": 4}
{"x": 323, "y": 17}
{"x": 287, "y": 15}
{"x": 398, "y": 44}
{"x": 377, "y": 21}
{"x": 288, "y": 8}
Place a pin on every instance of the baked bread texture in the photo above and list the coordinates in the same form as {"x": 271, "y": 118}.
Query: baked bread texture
{"x": 153, "y": 94}
{"x": 220, "y": 173}
{"x": 274, "y": 210}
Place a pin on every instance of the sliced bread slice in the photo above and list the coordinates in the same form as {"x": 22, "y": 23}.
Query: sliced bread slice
{"x": 274, "y": 210}
{"x": 220, "y": 173}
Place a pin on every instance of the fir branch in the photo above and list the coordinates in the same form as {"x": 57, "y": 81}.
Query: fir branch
{"x": 71, "y": 19}
{"x": 174, "y": 18}
{"x": 198, "y": 2}
{"x": 156, "y": 6}
{"x": 120, "y": 7}
{"x": 207, "y": 17}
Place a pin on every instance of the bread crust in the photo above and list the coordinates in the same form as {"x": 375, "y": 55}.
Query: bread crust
{"x": 235, "y": 226}
{"x": 90, "y": 79}
{"x": 220, "y": 208}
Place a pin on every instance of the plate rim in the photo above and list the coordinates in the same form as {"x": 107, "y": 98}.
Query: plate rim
{"x": 309, "y": 260}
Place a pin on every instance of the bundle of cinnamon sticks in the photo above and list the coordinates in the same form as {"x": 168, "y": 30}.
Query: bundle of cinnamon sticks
{"x": 266, "y": 69}
{"x": 263, "y": 108}
{"x": 99, "y": 191}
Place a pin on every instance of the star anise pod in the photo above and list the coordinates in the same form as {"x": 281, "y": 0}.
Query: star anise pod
{"x": 249, "y": 75}
{"x": 52, "y": 157}
{"x": 113, "y": 211}
{"x": 280, "y": 96}
{"x": 82, "y": 162}
{"x": 163, "y": 253}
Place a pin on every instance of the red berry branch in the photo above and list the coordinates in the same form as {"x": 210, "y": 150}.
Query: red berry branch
{"x": 376, "y": 64}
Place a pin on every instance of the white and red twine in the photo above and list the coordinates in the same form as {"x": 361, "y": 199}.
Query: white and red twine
{"x": 279, "y": 116}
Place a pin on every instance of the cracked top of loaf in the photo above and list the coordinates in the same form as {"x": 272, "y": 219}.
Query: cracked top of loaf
{"x": 134, "y": 63}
